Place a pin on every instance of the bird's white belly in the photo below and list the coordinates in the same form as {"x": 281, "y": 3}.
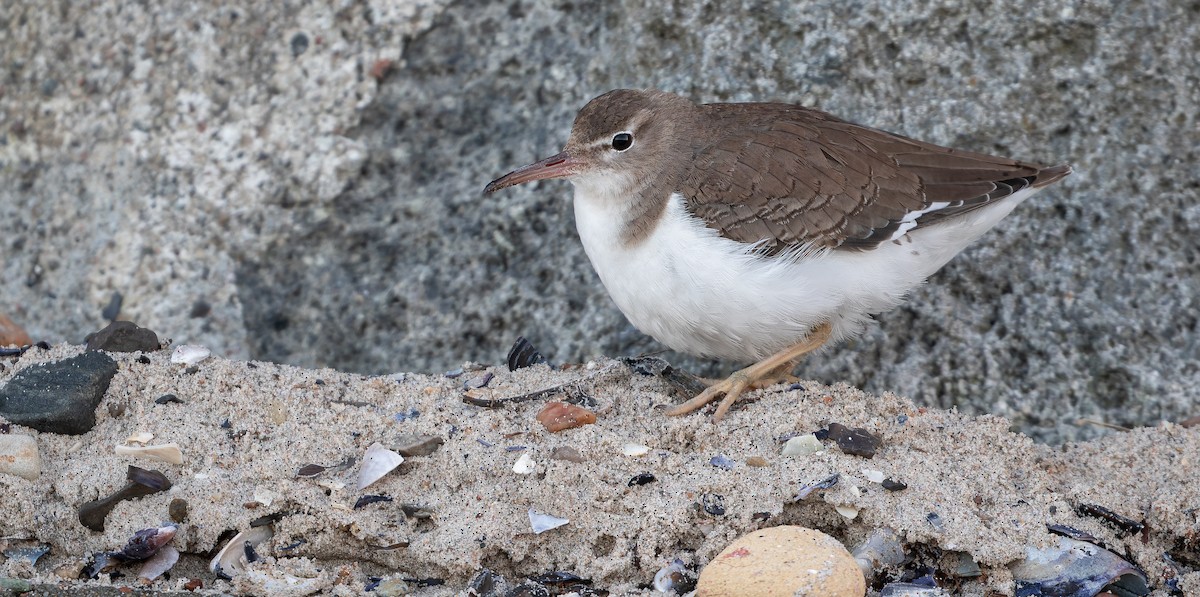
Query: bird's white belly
{"x": 700, "y": 293}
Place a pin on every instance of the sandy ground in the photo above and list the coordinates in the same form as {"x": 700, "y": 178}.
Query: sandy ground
{"x": 988, "y": 491}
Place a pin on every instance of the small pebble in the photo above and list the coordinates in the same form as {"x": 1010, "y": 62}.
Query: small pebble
{"x": 802, "y": 445}
{"x": 783, "y": 561}
{"x": 567, "y": 453}
{"x": 873, "y": 475}
{"x": 642, "y": 479}
{"x": 892, "y": 485}
{"x": 757, "y": 461}
{"x": 167, "y": 399}
{"x": 857, "y": 441}
{"x": 559, "y": 416}
{"x": 722, "y": 462}
{"x": 713, "y": 504}
{"x": 177, "y": 510}
{"x": 12, "y": 334}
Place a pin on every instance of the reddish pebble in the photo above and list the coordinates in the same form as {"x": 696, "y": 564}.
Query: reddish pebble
{"x": 557, "y": 416}
{"x": 11, "y": 334}
{"x": 194, "y": 584}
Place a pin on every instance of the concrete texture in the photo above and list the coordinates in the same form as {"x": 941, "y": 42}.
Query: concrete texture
{"x": 302, "y": 183}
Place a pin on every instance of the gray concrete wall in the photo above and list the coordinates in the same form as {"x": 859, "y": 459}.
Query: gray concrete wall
{"x": 302, "y": 184}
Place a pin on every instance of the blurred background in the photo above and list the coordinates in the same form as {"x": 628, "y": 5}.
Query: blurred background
{"x": 301, "y": 182}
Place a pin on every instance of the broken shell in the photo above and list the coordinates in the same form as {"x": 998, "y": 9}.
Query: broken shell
{"x": 825, "y": 483}
{"x": 141, "y": 437}
{"x": 30, "y": 554}
{"x": 873, "y": 475}
{"x": 848, "y": 512}
{"x": 1073, "y": 568}
{"x": 882, "y": 548}
{"x": 169, "y": 453}
{"x": 159, "y": 563}
{"x": 908, "y": 589}
{"x": 524, "y": 464}
{"x": 19, "y": 456}
{"x": 559, "y": 416}
{"x": 635, "y": 450}
{"x": 146, "y": 543}
{"x": 544, "y": 522}
{"x": 239, "y": 551}
{"x": 802, "y": 445}
{"x": 377, "y": 462}
{"x": 367, "y": 500}
{"x": 523, "y": 354}
{"x": 675, "y": 578}
{"x": 189, "y": 354}
{"x": 418, "y": 445}
{"x": 140, "y": 482}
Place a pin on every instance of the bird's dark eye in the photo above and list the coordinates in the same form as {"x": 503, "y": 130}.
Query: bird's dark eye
{"x": 622, "y": 141}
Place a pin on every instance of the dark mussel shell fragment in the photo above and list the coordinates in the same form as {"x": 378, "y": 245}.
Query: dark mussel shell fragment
{"x": 1073, "y": 568}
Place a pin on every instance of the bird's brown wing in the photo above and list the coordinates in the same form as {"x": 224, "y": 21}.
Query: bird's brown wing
{"x": 790, "y": 178}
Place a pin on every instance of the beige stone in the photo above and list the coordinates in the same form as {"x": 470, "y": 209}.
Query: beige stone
{"x": 19, "y": 456}
{"x": 783, "y": 561}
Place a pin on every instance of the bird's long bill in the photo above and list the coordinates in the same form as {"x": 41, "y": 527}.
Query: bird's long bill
{"x": 556, "y": 166}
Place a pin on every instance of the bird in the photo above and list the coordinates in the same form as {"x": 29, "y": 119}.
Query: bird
{"x": 760, "y": 232}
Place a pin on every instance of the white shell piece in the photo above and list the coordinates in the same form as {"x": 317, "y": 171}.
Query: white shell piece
{"x": 331, "y": 484}
{"x": 141, "y": 437}
{"x": 873, "y": 476}
{"x": 802, "y": 445}
{"x": 524, "y": 464}
{"x": 849, "y": 512}
{"x": 265, "y": 496}
{"x": 544, "y": 522}
{"x": 189, "y": 354}
{"x": 232, "y": 558}
{"x": 635, "y": 450}
{"x": 163, "y": 452}
{"x": 160, "y": 562}
{"x": 377, "y": 462}
{"x": 276, "y": 582}
{"x": 19, "y": 456}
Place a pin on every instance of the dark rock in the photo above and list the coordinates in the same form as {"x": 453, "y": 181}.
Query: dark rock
{"x": 59, "y": 397}
{"x": 857, "y": 441}
{"x": 123, "y": 336}
{"x": 200, "y": 308}
{"x": 113, "y": 309}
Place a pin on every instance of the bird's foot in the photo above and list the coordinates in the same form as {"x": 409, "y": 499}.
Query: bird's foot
{"x": 755, "y": 376}
{"x": 731, "y": 388}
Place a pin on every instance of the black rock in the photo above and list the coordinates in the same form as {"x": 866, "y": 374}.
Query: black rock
{"x": 856, "y": 441}
{"x": 59, "y": 397}
{"x": 123, "y": 336}
{"x": 113, "y": 310}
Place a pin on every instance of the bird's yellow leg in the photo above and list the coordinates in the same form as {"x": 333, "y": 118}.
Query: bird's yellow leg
{"x": 768, "y": 368}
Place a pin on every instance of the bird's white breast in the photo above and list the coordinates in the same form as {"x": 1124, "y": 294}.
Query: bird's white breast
{"x": 704, "y": 294}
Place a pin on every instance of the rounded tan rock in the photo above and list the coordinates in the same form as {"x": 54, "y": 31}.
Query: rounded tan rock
{"x": 783, "y": 561}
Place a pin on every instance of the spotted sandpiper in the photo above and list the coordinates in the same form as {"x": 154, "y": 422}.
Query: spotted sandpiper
{"x": 761, "y": 231}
